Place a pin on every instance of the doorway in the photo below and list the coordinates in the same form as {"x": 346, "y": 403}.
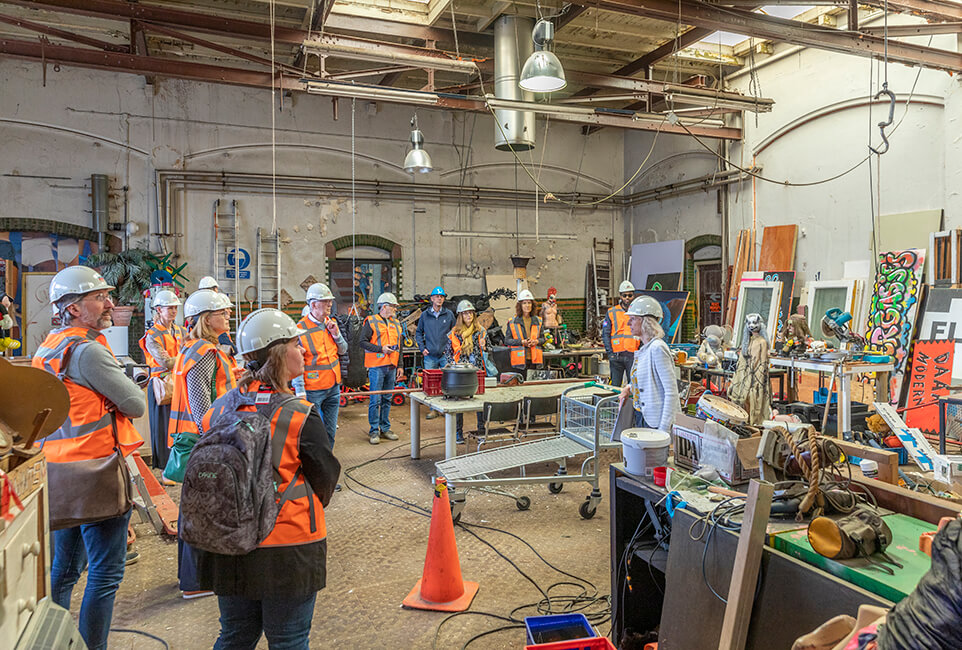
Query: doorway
{"x": 708, "y": 288}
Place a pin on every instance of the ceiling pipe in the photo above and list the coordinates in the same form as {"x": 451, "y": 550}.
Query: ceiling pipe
{"x": 515, "y": 129}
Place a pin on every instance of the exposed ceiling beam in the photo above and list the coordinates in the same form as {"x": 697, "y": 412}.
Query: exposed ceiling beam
{"x": 931, "y": 9}
{"x": 368, "y": 26}
{"x": 716, "y": 18}
{"x": 59, "y": 33}
{"x": 923, "y": 29}
{"x": 144, "y": 65}
{"x": 497, "y": 9}
{"x": 572, "y": 12}
{"x": 435, "y": 7}
{"x": 138, "y": 39}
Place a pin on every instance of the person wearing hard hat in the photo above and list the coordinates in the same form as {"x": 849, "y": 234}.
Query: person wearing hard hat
{"x": 431, "y": 335}
{"x": 323, "y": 343}
{"x": 202, "y": 372}
{"x": 466, "y": 343}
{"x": 272, "y": 589}
{"x": 224, "y": 340}
{"x": 103, "y": 400}
{"x": 381, "y": 339}
{"x": 524, "y": 335}
{"x": 653, "y": 387}
{"x": 617, "y": 337}
{"x": 161, "y": 344}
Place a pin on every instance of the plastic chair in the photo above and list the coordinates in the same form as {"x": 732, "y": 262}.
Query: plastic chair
{"x": 501, "y": 421}
{"x": 535, "y": 407}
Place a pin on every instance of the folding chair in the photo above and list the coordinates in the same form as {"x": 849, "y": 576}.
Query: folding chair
{"x": 534, "y": 407}
{"x": 501, "y": 421}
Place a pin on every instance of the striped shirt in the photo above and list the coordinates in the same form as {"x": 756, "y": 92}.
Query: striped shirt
{"x": 654, "y": 389}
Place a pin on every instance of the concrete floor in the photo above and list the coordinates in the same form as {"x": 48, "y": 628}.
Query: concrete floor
{"x": 376, "y": 554}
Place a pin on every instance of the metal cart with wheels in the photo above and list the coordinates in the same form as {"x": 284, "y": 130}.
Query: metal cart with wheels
{"x": 587, "y": 421}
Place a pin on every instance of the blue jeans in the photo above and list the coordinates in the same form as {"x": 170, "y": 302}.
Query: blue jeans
{"x": 379, "y": 409}
{"x": 433, "y": 363}
{"x": 327, "y": 401}
{"x": 104, "y": 546}
{"x": 640, "y": 420}
{"x": 187, "y": 578}
{"x": 285, "y": 621}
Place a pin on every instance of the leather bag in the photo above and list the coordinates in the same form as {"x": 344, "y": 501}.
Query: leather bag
{"x": 863, "y": 533}
{"x": 88, "y": 491}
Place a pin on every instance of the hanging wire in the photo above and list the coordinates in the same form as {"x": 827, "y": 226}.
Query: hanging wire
{"x": 273, "y": 133}
{"x": 353, "y": 210}
{"x": 454, "y": 28}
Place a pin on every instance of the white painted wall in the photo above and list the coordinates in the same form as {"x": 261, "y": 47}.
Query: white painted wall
{"x": 813, "y": 91}
{"x": 87, "y": 121}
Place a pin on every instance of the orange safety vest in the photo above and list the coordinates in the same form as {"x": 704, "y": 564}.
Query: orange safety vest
{"x": 181, "y": 418}
{"x": 386, "y": 332}
{"x": 301, "y": 517}
{"x": 168, "y": 338}
{"x": 87, "y": 433}
{"x": 621, "y": 337}
{"x": 322, "y": 367}
{"x": 455, "y": 339}
{"x": 516, "y": 331}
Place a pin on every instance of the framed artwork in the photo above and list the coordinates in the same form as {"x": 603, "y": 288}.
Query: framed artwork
{"x": 824, "y": 295}
{"x": 672, "y": 307}
{"x": 762, "y": 298}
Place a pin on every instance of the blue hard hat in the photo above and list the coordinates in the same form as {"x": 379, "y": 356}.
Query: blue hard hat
{"x": 438, "y": 291}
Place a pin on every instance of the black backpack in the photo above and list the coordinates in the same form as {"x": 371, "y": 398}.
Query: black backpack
{"x": 229, "y": 502}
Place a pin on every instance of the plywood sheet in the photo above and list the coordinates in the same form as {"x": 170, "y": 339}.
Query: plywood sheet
{"x": 906, "y": 230}
{"x": 778, "y": 247}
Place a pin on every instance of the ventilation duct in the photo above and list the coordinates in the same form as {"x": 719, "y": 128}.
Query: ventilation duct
{"x": 100, "y": 204}
{"x": 512, "y": 46}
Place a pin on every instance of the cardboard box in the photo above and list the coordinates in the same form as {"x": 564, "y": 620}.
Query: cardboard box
{"x": 697, "y": 443}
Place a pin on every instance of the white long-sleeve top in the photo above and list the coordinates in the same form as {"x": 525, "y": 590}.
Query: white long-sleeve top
{"x": 654, "y": 390}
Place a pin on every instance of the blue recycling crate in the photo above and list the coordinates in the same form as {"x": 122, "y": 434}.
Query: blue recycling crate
{"x": 557, "y": 627}
{"x": 820, "y": 396}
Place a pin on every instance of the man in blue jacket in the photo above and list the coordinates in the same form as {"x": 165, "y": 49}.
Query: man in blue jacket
{"x": 432, "y": 333}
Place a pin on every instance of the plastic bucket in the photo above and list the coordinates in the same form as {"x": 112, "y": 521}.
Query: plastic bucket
{"x": 644, "y": 450}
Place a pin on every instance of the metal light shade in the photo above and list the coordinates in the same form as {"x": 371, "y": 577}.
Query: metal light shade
{"x": 542, "y": 73}
{"x": 417, "y": 160}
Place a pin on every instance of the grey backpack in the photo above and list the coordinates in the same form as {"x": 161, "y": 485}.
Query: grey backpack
{"x": 229, "y": 501}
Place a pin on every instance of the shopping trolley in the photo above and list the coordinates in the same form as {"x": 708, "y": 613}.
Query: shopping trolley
{"x": 587, "y": 420}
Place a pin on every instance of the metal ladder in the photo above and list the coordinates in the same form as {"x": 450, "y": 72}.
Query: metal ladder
{"x": 226, "y": 257}
{"x": 601, "y": 259}
{"x": 268, "y": 269}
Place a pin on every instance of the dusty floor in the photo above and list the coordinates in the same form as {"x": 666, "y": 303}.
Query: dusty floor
{"x": 376, "y": 554}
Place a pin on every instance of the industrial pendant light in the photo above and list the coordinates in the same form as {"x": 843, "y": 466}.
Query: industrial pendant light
{"x": 542, "y": 72}
{"x": 417, "y": 160}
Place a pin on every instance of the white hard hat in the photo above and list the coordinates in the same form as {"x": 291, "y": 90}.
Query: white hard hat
{"x": 319, "y": 291}
{"x": 305, "y": 311}
{"x": 465, "y": 305}
{"x": 76, "y": 280}
{"x": 386, "y": 298}
{"x": 525, "y": 295}
{"x": 205, "y": 300}
{"x": 626, "y": 287}
{"x": 165, "y": 298}
{"x": 208, "y": 282}
{"x": 263, "y": 327}
{"x": 645, "y": 306}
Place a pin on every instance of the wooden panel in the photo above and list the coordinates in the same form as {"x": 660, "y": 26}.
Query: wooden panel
{"x": 742, "y": 259}
{"x": 778, "y": 247}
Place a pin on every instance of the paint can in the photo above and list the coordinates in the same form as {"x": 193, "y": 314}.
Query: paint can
{"x": 644, "y": 450}
{"x": 869, "y": 468}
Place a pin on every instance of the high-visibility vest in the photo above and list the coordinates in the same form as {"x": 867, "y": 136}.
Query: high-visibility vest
{"x": 387, "y": 332}
{"x": 516, "y": 331}
{"x": 322, "y": 367}
{"x": 169, "y": 338}
{"x": 621, "y": 337}
{"x": 455, "y": 338}
{"x": 87, "y": 433}
{"x": 301, "y": 517}
{"x": 181, "y": 416}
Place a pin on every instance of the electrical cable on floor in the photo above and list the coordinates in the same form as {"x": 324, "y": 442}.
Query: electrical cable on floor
{"x": 142, "y": 633}
{"x": 549, "y": 604}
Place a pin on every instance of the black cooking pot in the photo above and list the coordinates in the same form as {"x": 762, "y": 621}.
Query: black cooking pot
{"x": 459, "y": 380}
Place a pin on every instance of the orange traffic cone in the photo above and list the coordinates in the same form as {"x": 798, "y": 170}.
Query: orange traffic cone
{"x": 441, "y": 587}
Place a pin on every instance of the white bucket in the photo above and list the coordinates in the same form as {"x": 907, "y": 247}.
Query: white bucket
{"x": 644, "y": 450}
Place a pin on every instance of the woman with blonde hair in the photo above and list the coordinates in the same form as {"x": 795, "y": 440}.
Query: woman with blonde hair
{"x": 652, "y": 386}
{"x": 202, "y": 372}
{"x": 272, "y": 589}
{"x": 466, "y": 343}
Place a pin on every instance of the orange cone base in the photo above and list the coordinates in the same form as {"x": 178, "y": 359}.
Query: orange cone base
{"x": 415, "y": 601}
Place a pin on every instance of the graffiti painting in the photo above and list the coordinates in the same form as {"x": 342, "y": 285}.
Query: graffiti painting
{"x": 894, "y": 307}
